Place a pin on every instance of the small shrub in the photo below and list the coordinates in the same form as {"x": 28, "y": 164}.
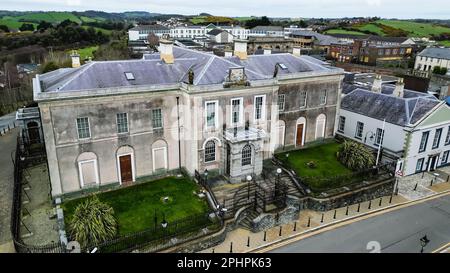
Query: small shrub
{"x": 355, "y": 156}
{"x": 93, "y": 222}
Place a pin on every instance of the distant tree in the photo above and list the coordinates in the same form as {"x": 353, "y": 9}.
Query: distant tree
{"x": 153, "y": 40}
{"x": 263, "y": 21}
{"x": 26, "y": 27}
{"x": 43, "y": 25}
{"x": 302, "y": 24}
{"x": 4, "y": 28}
{"x": 440, "y": 70}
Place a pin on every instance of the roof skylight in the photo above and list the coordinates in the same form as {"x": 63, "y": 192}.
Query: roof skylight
{"x": 129, "y": 76}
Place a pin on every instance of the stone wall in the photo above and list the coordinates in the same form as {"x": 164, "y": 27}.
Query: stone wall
{"x": 269, "y": 220}
{"x": 371, "y": 192}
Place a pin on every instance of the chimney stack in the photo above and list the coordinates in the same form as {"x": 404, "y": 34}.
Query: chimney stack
{"x": 240, "y": 49}
{"x": 297, "y": 51}
{"x": 75, "y": 59}
{"x": 376, "y": 86}
{"x": 399, "y": 88}
{"x": 166, "y": 51}
{"x": 228, "y": 53}
{"x": 267, "y": 50}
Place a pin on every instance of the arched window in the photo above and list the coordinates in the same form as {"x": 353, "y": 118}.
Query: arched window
{"x": 210, "y": 151}
{"x": 246, "y": 155}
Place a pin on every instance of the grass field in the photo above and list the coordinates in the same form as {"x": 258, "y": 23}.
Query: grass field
{"x": 370, "y": 27}
{"x": 343, "y": 31}
{"x": 85, "y": 52}
{"x": 12, "y": 24}
{"x": 135, "y": 206}
{"x": 416, "y": 29}
{"x": 52, "y": 17}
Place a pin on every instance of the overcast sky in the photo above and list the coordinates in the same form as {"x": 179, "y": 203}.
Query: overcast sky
{"x": 439, "y": 9}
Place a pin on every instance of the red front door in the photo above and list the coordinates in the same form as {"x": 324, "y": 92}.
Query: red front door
{"x": 299, "y": 140}
{"x": 126, "y": 172}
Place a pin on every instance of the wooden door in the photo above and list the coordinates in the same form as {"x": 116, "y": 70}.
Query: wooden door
{"x": 299, "y": 140}
{"x": 433, "y": 163}
{"x": 126, "y": 172}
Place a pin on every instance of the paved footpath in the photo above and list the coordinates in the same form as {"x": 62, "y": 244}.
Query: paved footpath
{"x": 7, "y": 147}
{"x": 239, "y": 238}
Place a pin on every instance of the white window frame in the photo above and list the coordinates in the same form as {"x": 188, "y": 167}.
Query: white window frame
{"x": 424, "y": 143}
{"x": 117, "y": 123}
{"x": 305, "y": 100}
{"x": 263, "y": 108}
{"x": 342, "y": 121}
{"x": 422, "y": 160}
{"x": 437, "y": 138}
{"x": 379, "y": 139}
{"x": 357, "y": 128}
{"x": 215, "y": 151}
{"x": 251, "y": 156}
{"x": 133, "y": 175}
{"x": 97, "y": 178}
{"x": 281, "y": 109}
{"x": 162, "y": 119}
{"x": 216, "y": 114}
{"x": 165, "y": 157}
{"x": 324, "y": 95}
{"x": 89, "y": 128}
{"x": 447, "y": 138}
{"x": 445, "y": 156}
{"x": 241, "y": 111}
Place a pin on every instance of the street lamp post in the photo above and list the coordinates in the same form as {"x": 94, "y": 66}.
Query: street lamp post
{"x": 164, "y": 222}
{"x": 206, "y": 176}
{"x": 249, "y": 179}
{"x": 277, "y": 183}
{"x": 424, "y": 242}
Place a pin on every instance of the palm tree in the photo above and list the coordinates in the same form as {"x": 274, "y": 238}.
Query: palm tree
{"x": 355, "y": 156}
{"x": 93, "y": 222}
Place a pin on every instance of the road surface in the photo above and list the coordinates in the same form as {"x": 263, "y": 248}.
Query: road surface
{"x": 7, "y": 120}
{"x": 396, "y": 231}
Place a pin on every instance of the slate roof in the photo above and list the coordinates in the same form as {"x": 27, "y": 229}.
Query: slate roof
{"x": 216, "y": 31}
{"x": 321, "y": 38}
{"x": 435, "y": 52}
{"x": 399, "y": 111}
{"x": 150, "y": 27}
{"x": 267, "y": 28}
{"x": 208, "y": 69}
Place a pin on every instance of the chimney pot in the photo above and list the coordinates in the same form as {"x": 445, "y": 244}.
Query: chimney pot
{"x": 399, "y": 88}
{"x": 297, "y": 51}
{"x": 166, "y": 51}
{"x": 377, "y": 84}
{"x": 240, "y": 49}
{"x": 75, "y": 59}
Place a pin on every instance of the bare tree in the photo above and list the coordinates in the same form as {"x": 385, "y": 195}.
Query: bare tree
{"x": 153, "y": 40}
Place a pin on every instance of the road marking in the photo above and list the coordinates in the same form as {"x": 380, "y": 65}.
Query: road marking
{"x": 441, "y": 249}
{"x": 337, "y": 224}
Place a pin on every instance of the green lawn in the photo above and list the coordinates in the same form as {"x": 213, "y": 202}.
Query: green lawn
{"x": 134, "y": 206}
{"x": 444, "y": 43}
{"x": 416, "y": 29}
{"x": 324, "y": 157}
{"x": 343, "y": 31}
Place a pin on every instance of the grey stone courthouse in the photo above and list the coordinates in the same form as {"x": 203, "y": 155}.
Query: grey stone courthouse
{"x": 109, "y": 123}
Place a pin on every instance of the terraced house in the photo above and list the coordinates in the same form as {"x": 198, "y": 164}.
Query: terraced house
{"x": 115, "y": 122}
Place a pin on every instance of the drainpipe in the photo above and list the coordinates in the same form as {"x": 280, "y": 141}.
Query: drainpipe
{"x": 179, "y": 133}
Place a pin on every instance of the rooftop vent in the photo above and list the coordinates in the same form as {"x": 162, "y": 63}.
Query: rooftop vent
{"x": 129, "y": 76}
